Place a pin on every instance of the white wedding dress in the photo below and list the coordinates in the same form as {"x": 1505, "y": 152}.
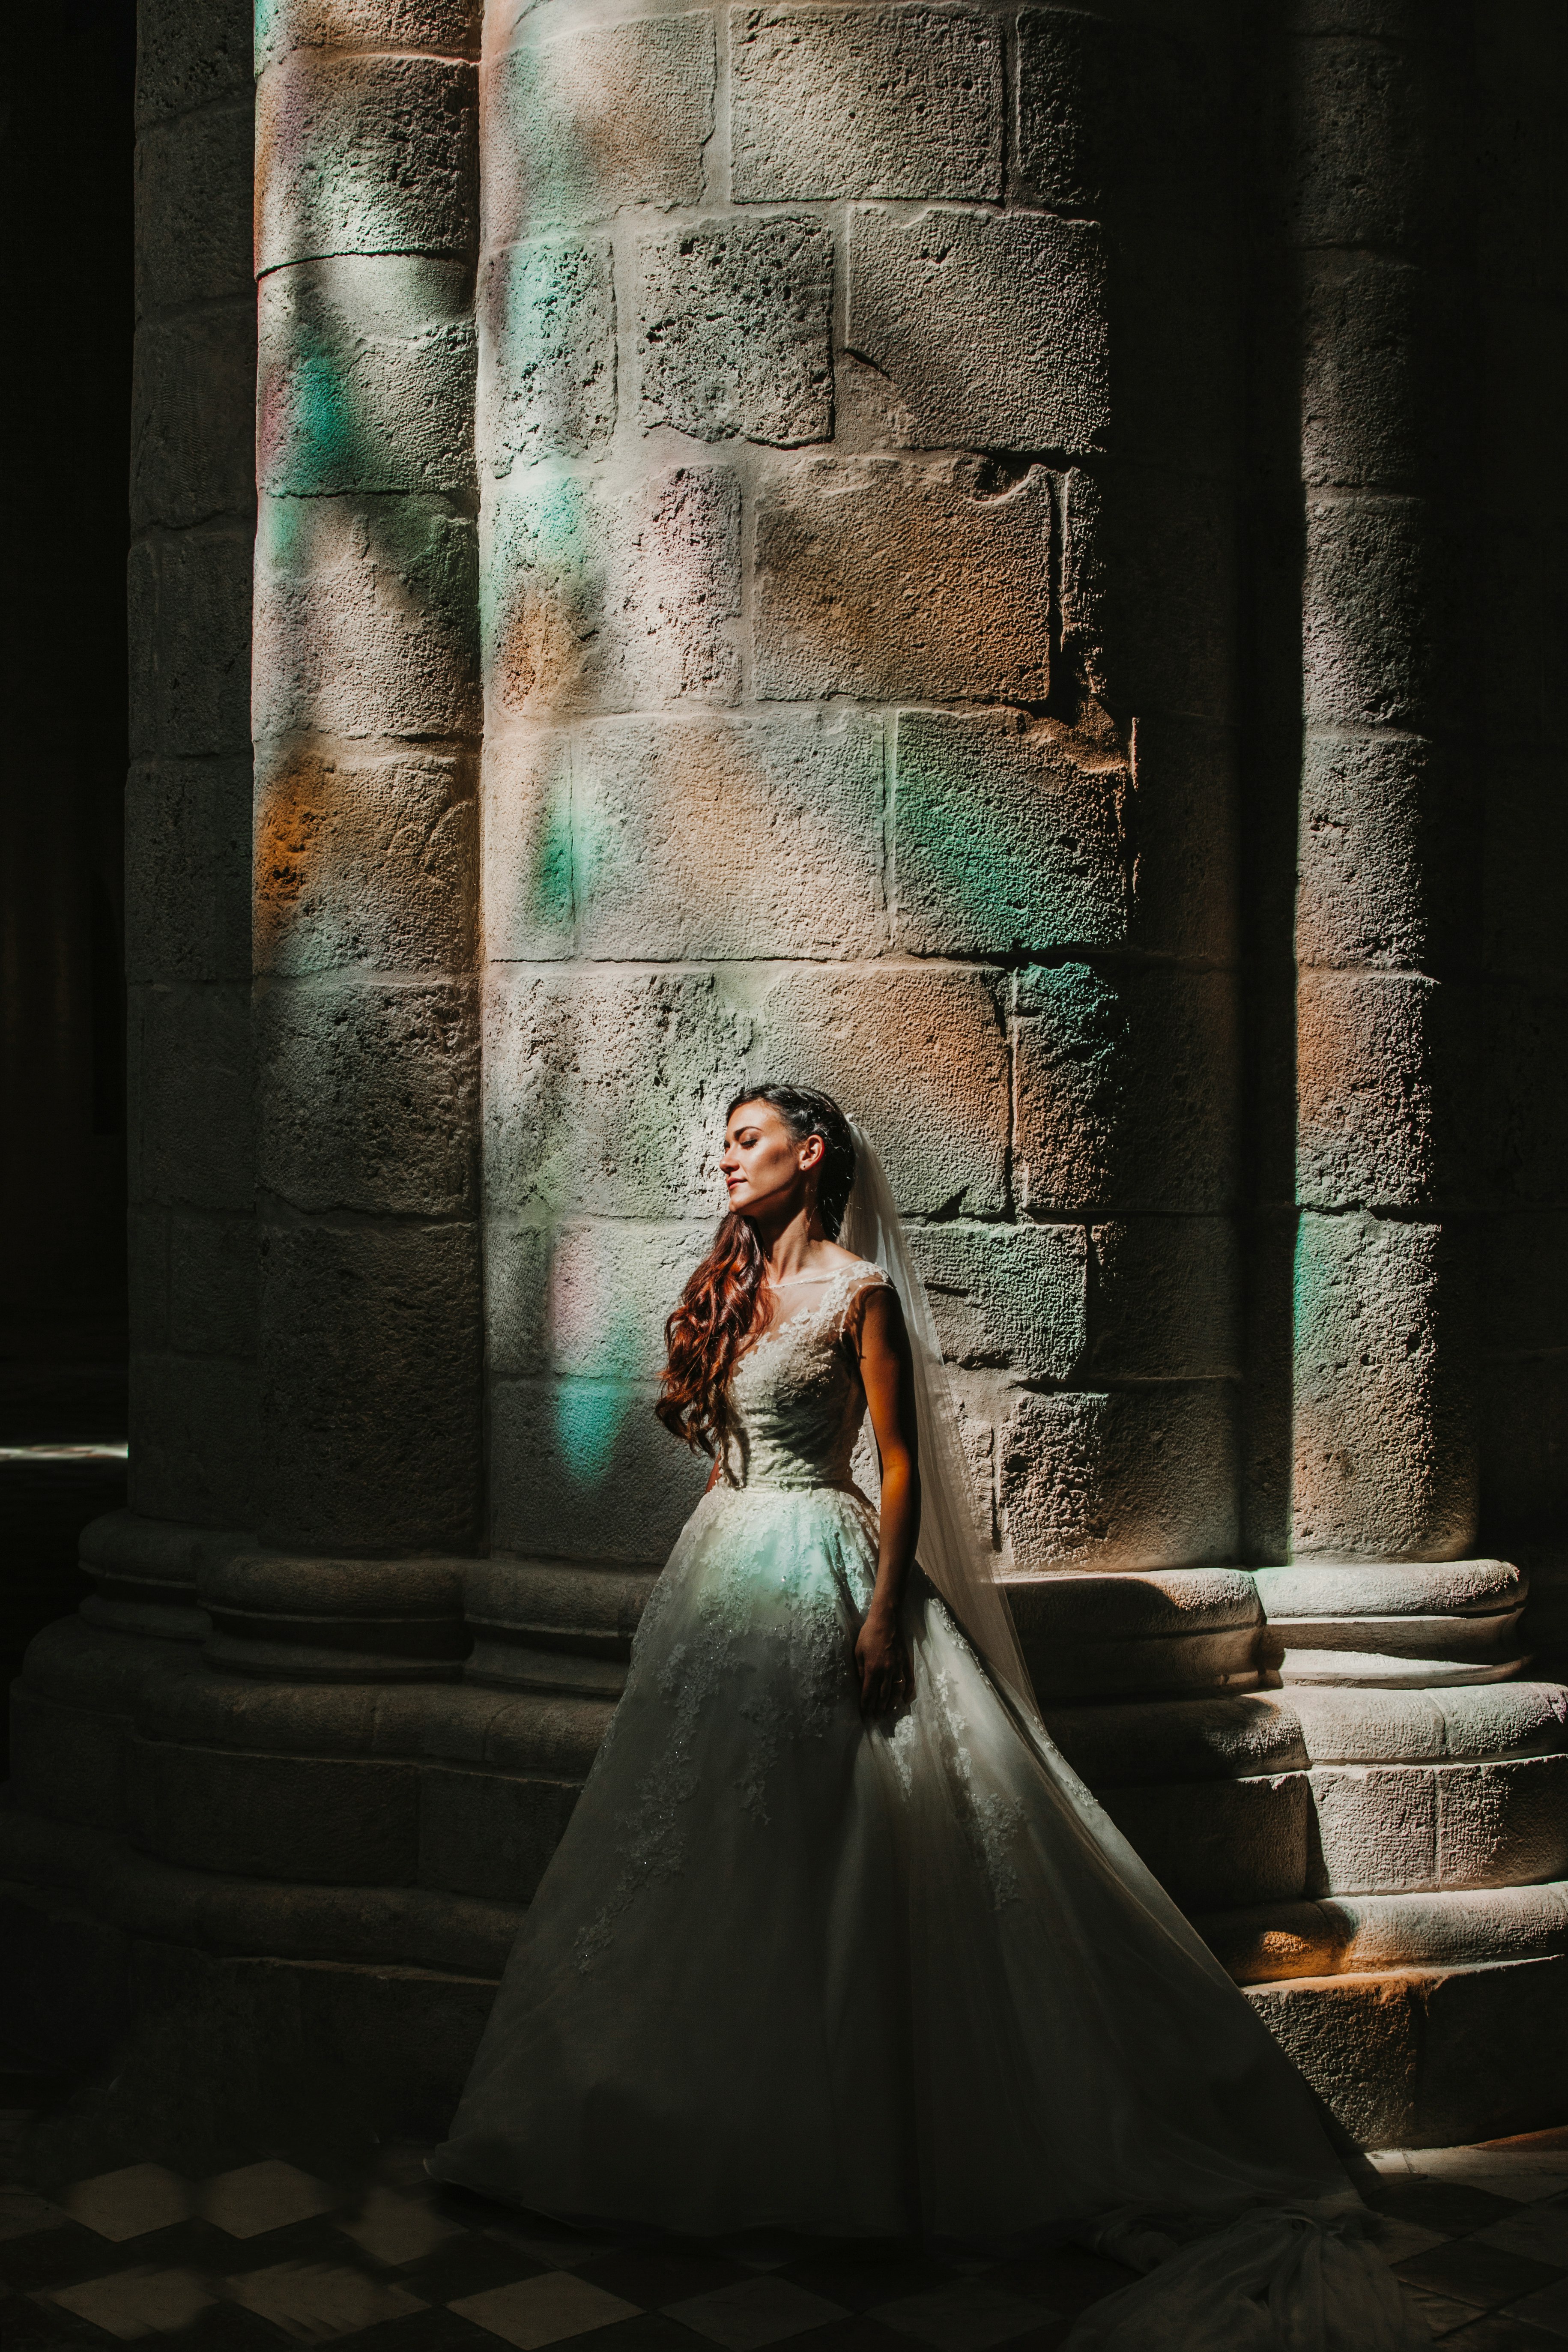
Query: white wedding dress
{"x": 792, "y": 1968}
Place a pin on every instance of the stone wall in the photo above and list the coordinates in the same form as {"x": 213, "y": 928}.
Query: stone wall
{"x": 914, "y": 549}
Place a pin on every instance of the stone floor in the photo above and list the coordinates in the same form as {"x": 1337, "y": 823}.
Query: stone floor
{"x": 266, "y": 2255}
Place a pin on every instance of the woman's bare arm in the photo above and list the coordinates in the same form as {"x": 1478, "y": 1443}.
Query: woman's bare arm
{"x": 886, "y": 1369}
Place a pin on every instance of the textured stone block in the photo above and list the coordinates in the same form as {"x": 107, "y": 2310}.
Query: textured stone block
{"x": 339, "y": 1819}
{"x": 368, "y": 1096}
{"x": 1175, "y": 1740}
{"x": 1374, "y": 851}
{"x": 1377, "y": 407}
{"x": 212, "y": 1286}
{"x": 1005, "y": 836}
{"x": 366, "y": 377}
{"x": 195, "y": 198}
{"x": 1126, "y": 1089}
{"x": 370, "y": 1389}
{"x": 191, "y": 381}
{"x": 1383, "y": 1436}
{"x": 1164, "y": 1299}
{"x": 1378, "y": 1058}
{"x": 599, "y": 599}
{"x": 1007, "y": 1295}
{"x": 365, "y": 155}
{"x": 588, "y": 1298}
{"x": 187, "y": 870}
{"x": 448, "y": 27}
{"x": 581, "y": 1470}
{"x": 147, "y": 1279}
{"x": 990, "y": 329}
{"x": 1378, "y": 640}
{"x": 190, "y": 53}
{"x": 1379, "y": 127}
{"x": 1117, "y": 118}
{"x": 1149, "y": 591}
{"x": 596, "y": 120}
{"x": 605, "y": 1091}
{"x": 489, "y": 1833}
{"x": 193, "y": 1439}
{"x": 365, "y": 618}
{"x": 1140, "y": 1478}
{"x": 189, "y": 1084}
{"x": 190, "y": 643}
{"x": 547, "y": 389}
{"x": 878, "y": 580}
{"x": 918, "y": 1056}
{"x": 364, "y": 861}
{"x": 864, "y": 102}
{"x": 526, "y": 816}
{"x": 729, "y": 838}
{"x": 1220, "y": 1843}
{"x": 732, "y": 330}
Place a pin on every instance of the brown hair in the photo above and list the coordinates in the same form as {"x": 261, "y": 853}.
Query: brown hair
{"x": 717, "y": 1309}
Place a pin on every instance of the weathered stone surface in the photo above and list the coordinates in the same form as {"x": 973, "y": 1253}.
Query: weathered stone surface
{"x": 193, "y": 1438}
{"x": 605, "y": 1091}
{"x": 189, "y": 54}
{"x": 598, "y": 119}
{"x": 990, "y": 329}
{"x": 448, "y": 27}
{"x": 1375, "y": 642}
{"x": 1182, "y": 823}
{"x": 1179, "y": 1740}
{"x": 1375, "y": 166}
{"x": 366, "y": 377}
{"x": 1005, "y": 836}
{"x": 365, "y": 155}
{"x": 489, "y": 1833}
{"x": 189, "y": 377}
{"x": 581, "y": 1469}
{"x": 361, "y": 861}
{"x": 195, "y": 197}
{"x": 343, "y": 1822}
{"x": 1116, "y": 118}
{"x": 189, "y": 1078}
{"x": 370, "y": 1386}
{"x": 732, "y": 330}
{"x": 1137, "y": 1479}
{"x": 1415, "y": 1726}
{"x": 1165, "y": 1634}
{"x": 187, "y": 891}
{"x": 1377, "y": 410}
{"x": 1149, "y": 591}
{"x": 1125, "y": 1088}
{"x": 728, "y": 837}
{"x": 864, "y": 102}
{"x": 212, "y": 1286}
{"x": 1007, "y": 1295}
{"x": 1384, "y": 1443}
{"x": 600, "y": 599}
{"x": 1408, "y": 1828}
{"x": 918, "y": 1056}
{"x": 526, "y": 816}
{"x": 547, "y": 308}
{"x": 888, "y": 581}
{"x": 365, "y": 618}
{"x": 1164, "y": 1299}
{"x": 190, "y": 643}
{"x": 1378, "y": 1057}
{"x": 1371, "y": 858}
{"x": 367, "y": 1093}
{"x": 1220, "y": 1842}
{"x": 587, "y": 1298}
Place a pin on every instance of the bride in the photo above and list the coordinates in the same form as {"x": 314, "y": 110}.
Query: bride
{"x": 836, "y": 1941}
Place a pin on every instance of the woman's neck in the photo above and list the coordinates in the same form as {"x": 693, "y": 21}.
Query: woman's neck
{"x": 790, "y": 1248}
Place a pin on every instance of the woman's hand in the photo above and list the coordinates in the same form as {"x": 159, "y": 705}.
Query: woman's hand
{"x": 883, "y": 1664}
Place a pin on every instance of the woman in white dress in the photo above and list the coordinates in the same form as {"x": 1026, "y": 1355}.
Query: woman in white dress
{"x": 836, "y": 1941}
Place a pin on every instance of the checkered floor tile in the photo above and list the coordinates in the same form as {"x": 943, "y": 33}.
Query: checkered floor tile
{"x": 269, "y": 2256}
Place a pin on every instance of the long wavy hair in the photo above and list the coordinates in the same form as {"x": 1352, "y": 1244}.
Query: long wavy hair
{"x": 717, "y": 1309}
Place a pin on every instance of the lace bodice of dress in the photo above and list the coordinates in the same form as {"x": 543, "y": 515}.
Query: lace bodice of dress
{"x": 797, "y": 1393}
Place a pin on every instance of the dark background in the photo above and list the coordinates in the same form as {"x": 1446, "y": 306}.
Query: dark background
{"x": 66, "y": 200}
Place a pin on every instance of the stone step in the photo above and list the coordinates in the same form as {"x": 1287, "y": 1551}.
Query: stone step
{"x": 1366, "y": 1935}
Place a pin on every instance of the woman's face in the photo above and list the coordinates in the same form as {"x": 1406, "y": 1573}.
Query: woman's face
{"x": 765, "y": 1167}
